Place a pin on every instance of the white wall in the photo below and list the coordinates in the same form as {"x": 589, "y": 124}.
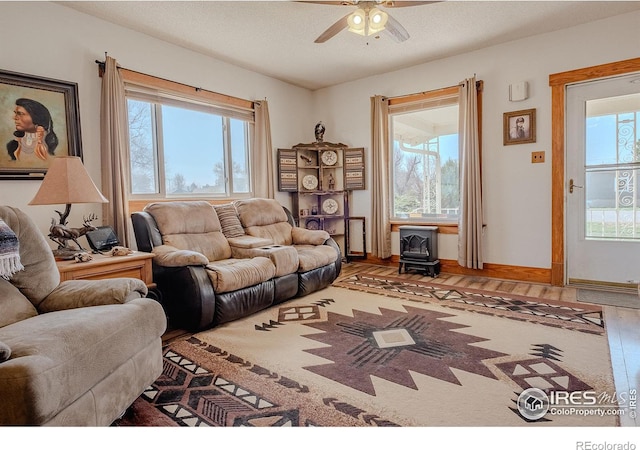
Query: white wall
{"x": 517, "y": 194}
{"x": 63, "y": 44}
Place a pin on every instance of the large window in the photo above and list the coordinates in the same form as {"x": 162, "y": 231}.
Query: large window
{"x": 183, "y": 149}
{"x": 425, "y": 156}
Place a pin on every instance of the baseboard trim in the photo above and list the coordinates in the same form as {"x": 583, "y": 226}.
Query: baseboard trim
{"x": 490, "y": 270}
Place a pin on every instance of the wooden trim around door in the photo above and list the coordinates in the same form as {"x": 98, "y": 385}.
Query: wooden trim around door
{"x": 558, "y": 83}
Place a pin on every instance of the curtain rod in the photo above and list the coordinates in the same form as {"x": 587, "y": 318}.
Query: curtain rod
{"x": 479, "y": 84}
{"x": 101, "y": 66}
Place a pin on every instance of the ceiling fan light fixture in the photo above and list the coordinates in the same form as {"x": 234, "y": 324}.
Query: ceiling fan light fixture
{"x": 357, "y": 21}
{"x": 377, "y": 21}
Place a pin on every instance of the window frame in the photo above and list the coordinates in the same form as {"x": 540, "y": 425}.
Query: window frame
{"x": 444, "y": 226}
{"x": 158, "y": 92}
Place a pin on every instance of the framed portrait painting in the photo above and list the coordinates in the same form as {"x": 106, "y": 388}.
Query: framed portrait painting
{"x": 519, "y": 127}
{"x": 39, "y": 120}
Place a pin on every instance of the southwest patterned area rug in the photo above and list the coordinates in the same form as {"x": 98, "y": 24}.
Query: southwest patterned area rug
{"x": 385, "y": 352}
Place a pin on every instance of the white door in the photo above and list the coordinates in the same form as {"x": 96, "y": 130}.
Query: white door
{"x": 603, "y": 182}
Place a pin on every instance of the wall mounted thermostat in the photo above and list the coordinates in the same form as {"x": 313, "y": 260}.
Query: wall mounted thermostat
{"x": 518, "y": 91}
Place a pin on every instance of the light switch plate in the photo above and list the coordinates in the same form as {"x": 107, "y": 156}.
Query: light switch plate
{"x": 537, "y": 157}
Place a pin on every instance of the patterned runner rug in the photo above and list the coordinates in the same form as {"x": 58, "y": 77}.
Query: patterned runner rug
{"x": 387, "y": 352}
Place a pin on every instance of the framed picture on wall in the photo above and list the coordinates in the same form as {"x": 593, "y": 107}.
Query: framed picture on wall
{"x": 519, "y": 127}
{"x": 39, "y": 120}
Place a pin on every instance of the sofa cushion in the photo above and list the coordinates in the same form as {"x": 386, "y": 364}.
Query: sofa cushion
{"x": 314, "y": 256}
{"x": 233, "y": 274}
{"x": 231, "y": 226}
{"x": 278, "y": 233}
{"x": 191, "y": 225}
{"x": 58, "y": 357}
{"x": 255, "y": 212}
{"x": 264, "y": 218}
{"x": 5, "y": 352}
{"x": 14, "y": 306}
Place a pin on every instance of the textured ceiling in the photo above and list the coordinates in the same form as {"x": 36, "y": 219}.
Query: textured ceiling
{"x": 275, "y": 38}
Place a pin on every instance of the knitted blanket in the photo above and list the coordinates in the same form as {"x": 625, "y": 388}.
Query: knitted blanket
{"x": 9, "y": 252}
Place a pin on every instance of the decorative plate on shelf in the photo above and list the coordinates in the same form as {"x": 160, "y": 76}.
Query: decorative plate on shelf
{"x": 310, "y": 182}
{"x": 329, "y": 158}
{"x": 312, "y": 224}
{"x": 330, "y": 206}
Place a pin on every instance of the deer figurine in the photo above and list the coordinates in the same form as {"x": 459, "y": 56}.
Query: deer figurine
{"x": 61, "y": 234}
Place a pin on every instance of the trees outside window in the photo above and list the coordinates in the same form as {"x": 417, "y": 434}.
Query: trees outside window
{"x": 425, "y": 171}
{"x": 179, "y": 150}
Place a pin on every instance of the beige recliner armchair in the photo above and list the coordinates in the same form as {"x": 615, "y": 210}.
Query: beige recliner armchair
{"x": 75, "y": 353}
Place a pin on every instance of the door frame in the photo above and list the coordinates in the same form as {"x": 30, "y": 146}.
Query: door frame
{"x": 558, "y": 83}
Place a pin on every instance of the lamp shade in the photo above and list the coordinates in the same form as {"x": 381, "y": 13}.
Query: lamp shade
{"x": 66, "y": 182}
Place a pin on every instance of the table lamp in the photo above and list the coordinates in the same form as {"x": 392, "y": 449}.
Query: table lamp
{"x": 67, "y": 182}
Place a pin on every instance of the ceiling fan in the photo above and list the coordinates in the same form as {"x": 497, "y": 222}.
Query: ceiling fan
{"x": 368, "y": 19}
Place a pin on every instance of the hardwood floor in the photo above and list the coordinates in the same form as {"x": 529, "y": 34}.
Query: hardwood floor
{"x": 621, "y": 323}
{"x": 490, "y": 284}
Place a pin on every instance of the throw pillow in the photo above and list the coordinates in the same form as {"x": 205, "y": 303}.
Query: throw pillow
{"x": 5, "y": 352}
{"x": 231, "y": 226}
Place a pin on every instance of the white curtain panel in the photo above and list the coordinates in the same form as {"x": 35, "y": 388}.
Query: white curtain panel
{"x": 114, "y": 150}
{"x": 380, "y": 180}
{"x": 471, "y": 216}
{"x": 263, "y": 173}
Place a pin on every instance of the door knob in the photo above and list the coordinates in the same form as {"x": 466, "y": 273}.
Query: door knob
{"x": 572, "y": 185}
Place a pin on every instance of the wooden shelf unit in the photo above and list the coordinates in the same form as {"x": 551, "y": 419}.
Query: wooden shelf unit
{"x": 320, "y": 176}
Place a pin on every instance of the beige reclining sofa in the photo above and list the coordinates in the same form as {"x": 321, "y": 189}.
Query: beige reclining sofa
{"x": 215, "y": 264}
{"x": 75, "y": 353}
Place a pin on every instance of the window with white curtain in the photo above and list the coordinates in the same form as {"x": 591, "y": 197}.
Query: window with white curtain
{"x": 182, "y": 147}
{"x": 425, "y": 158}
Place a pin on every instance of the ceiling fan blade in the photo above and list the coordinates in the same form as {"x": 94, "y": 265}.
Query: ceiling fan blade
{"x": 337, "y": 3}
{"x": 396, "y": 30}
{"x": 385, "y": 3}
{"x": 333, "y": 30}
{"x": 394, "y": 4}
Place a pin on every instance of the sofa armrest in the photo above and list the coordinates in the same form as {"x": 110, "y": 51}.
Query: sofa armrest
{"x": 302, "y": 236}
{"x": 338, "y": 263}
{"x": 82, "y": 293}
{"x": 168, "y": 256}
{"x": 188, "y": 296}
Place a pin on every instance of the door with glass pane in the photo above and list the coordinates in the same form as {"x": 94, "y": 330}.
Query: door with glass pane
{"x": 603, "y": 182}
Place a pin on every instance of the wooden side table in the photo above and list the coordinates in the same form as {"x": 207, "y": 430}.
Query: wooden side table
{"x": 137, "y": 265}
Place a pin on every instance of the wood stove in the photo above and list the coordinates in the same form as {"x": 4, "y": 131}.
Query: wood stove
{"x": 419, "y": 249}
